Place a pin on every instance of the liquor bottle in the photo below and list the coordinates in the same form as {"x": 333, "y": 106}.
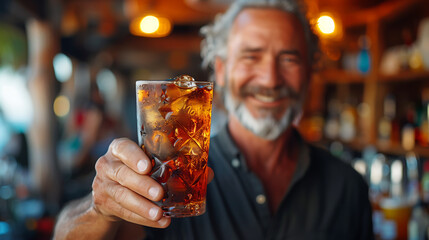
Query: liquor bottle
{"x": 424, "y": 129}
{"x": 408, "y": 133}
{"x": 348, "y": 123}
{"x": 412, "y": 165}
{"x": 424, "y": 125}
{"x": 387, "y": 124}
{"x": 364, "y": 57}
{"x": 377, "y": 191}
{"x": 396, "y": 179}
{"x": 332, "y": 126}
{"x": 425, "y": 183}
{"x": 418, "y": 223}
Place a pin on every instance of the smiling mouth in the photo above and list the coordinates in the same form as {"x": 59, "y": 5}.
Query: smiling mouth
{"x": 267, "y": 98}
{"x": 270, "y": 95}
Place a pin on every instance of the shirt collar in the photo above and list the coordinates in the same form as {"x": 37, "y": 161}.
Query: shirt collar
{"x": 232, "y": 152}
{"x": 303, "y": 159}
{"x": 228, "y": 145}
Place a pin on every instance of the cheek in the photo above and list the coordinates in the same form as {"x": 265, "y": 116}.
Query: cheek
{"x": 238, "y": 76}
{"x": 296, "y": 77}
{"x": 233, "y": 86}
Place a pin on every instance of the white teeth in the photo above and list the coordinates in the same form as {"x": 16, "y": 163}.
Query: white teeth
{"x": 264, "y": 98}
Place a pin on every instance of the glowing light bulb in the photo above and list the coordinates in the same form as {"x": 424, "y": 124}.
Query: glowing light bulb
{"x": 396, "y": 171}
{"x": 63, "y": 67}
{"x": 149, "y": 24}
{"x": 326, "y": 24}
{"x": 61, "y": 106}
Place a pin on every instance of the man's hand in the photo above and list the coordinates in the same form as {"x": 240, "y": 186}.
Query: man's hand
{"x": 123, "y": 188}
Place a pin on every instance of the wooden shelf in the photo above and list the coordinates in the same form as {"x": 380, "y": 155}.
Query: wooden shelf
{"x": 405, "y": 76}
{"x": 383, "y": 12}
{"x": 341, "y": 76}
{"x": 396, "y": 149}
{"x": 371, "y": 88}
{"x": 392, "y": 149}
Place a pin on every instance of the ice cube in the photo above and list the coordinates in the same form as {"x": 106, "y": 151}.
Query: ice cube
{"x": 190, "y": 169}
{"x": 181, "y": 137}
{"x": 185, "y": 126}
{"x": 142, "y": 94}
{"x": 161, "y": 171}
{"x": 166, "y": 111}
{"x": 148, "y": 94}
{"x": 173, "y": 92}
{"x": 185, "y": 81}
{"x": 197, "y": 176}
{"x": 177, "y": 187}
{"x": 184, "y": 77}
{"x": 200, "y": 162}
{"x": 202, "y": 137}
{"x": 191, "y": 148}
{"x": 182, "y": 116}
{"x": 150, "y": 116}
{"x": 173, "y": 107}
{"x": 158, "y": 144}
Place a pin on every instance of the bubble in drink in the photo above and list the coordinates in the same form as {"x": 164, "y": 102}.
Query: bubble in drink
{"x": 174, "y": 118}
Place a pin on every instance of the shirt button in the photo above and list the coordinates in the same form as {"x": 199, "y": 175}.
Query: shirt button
{"x": 261, "y": 199}
{"x": 235, "y": 163}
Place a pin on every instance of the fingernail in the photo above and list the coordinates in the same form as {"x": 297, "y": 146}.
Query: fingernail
{"x": 142, "y": 165}
{"x": 153, "y": 212}
{"x": 163, "y": 221}
{"x": 153, "y": 192}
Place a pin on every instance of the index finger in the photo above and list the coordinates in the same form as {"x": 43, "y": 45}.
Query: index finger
{"x": 131, "y": 155}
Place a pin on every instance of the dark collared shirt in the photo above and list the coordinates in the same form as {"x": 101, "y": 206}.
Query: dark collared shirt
{"x": 326, "y": 199}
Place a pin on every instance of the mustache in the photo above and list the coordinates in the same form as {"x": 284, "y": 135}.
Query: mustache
{"x": 282, "y": 91}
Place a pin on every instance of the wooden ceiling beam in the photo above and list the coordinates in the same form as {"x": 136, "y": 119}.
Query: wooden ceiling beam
{"x": 382, "y": 12}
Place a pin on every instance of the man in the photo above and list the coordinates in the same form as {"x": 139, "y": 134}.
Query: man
{"x": 269, "y": 183}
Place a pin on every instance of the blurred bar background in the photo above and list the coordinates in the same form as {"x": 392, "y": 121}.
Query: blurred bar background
{"x": 67, "y": 88}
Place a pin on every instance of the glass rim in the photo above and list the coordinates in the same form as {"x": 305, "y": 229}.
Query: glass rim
{"x": 170, "y": 81}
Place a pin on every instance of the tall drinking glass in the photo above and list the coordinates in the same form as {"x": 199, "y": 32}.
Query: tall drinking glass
{"x": 173, "y": 118}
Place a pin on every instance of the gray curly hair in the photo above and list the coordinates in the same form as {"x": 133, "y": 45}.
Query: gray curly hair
{"x": 216, "y": 35}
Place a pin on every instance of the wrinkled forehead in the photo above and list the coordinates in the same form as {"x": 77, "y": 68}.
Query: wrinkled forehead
{"x": 259, "y": 26}
{"x": 267, "y": 17}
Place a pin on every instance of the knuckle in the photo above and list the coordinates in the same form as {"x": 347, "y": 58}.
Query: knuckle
{"x": 124, "y": 213}
{"x": 98, "y": 199}
{"x": 117, "y": 145}
{"x": 119, "y": 194}
{"x": 96, "y": 194}
{"x": 101, "y": 162}
{"x": 117, "y": 174}
{"x": 99, "y": 192}
{"x": 95, "y": 183}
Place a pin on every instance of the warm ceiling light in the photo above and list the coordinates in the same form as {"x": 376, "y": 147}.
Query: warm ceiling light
{"x": 149, "y": 24}
{"x": 326, "y": 24}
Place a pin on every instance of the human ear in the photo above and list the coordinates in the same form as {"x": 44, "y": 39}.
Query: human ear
{"x": 220, "y": 71}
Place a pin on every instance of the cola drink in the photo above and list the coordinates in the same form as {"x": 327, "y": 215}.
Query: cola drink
{"x": 173, "y": 118}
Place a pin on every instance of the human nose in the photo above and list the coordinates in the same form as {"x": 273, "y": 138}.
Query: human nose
{"x": 269, "y": 73}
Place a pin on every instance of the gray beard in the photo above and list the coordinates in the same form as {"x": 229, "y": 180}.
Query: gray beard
{"x": 267, "y": 127}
